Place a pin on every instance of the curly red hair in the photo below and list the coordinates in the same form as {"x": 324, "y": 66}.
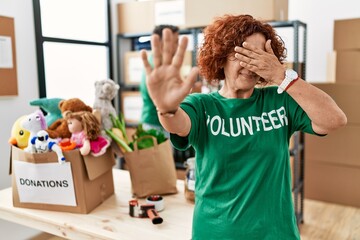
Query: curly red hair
{"x": 221, "y": 37}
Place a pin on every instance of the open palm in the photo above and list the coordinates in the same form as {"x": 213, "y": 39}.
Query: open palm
{"x": 164, "y": 83}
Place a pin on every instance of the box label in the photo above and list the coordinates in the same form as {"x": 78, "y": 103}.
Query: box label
{"x": 136, "y": 68}
{"x": 48, "y": 183}
{"x": 170, "y": 12}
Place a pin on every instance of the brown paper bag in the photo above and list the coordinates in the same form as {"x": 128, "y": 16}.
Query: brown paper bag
{"x": 152, "y": 170}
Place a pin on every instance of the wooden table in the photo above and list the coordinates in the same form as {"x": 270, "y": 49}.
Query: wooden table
{"x": 110, "y": 220}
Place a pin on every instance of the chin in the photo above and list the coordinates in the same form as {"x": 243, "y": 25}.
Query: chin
{"x": 245, "y": 85}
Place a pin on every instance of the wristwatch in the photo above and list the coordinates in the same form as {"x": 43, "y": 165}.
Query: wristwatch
{"x": 290, "y": 76}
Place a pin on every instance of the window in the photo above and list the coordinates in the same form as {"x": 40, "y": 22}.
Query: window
{"x": 73, "y": 40}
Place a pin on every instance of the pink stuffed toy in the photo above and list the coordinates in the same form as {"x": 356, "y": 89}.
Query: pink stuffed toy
{"x": 85, "y": 132}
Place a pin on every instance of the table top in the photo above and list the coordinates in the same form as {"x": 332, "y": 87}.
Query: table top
{"x": 110, "y": 220}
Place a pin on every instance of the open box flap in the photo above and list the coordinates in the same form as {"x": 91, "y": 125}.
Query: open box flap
{"x": 96, "y": 166}
{"x": 17, "y": 154}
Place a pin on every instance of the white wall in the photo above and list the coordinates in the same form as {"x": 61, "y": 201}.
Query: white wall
{"x": 13, "y": 107}
{"x": 319, "y": 17}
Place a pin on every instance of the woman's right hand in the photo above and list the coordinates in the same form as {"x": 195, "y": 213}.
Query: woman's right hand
{"x": 164, "y": 83}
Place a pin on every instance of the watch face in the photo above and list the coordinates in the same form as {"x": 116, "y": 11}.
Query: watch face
{"x": 291, "y": 74}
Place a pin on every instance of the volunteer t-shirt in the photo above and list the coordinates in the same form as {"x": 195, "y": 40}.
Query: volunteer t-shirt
{"x": 243, "y": 177}
{"x": 149, "y": 113}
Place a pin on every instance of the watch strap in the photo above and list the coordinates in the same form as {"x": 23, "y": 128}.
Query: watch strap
{"x": 167, "y": 114}
{"x": 286, "y": 83}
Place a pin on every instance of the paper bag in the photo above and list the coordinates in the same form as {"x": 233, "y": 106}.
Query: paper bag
{"x": 152, "y": 170}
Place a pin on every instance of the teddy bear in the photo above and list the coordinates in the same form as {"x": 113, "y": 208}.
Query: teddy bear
{"x": 59, "y": 129}
{"x": 105, "y": 92}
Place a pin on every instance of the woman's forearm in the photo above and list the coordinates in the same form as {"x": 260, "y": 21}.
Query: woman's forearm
{"x": 319, "y": 106}
{"x": 179, "y": 124}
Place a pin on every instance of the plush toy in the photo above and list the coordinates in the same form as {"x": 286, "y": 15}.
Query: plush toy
{"x": 85, "y": 129}
{"x": 105, "y": 92}
{"x": 19, "y": 135}
{"x": 50, "y": 106}
{"x": 41, "y": 143}
{"x": 59, "y": 129}
{"x": 33, "y": 123}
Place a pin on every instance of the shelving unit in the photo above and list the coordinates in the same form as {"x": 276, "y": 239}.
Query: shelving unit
{"x": 126, "y": 42}
{"x": 298, "y": 150}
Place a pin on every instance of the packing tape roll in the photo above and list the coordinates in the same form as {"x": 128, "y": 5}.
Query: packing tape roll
{"x": 157, "y": 200}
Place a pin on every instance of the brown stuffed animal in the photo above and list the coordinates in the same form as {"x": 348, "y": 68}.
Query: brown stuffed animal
{"x": 59, "y": 129}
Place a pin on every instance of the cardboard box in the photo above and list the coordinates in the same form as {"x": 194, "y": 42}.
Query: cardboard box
{"x": 339, "y": 147}
{"x": 134, "y": 68}
{"x": 343, "y": 66}
{"x": 267, "y": 10}
{"x": 187, "y": 64}
{"x": 300, "y": 68}
{"x": 292, "y": 165}
{"x": 346, "y": 96}
{"x": 331, "y": 67}
{"x": 347, "y": 34}
{"x": 142, "y": 17}
{"x": 332, "y": 183}
{"x": 79, "y": 185}
{"x": 135, "y": 17}
{"x": 131, "y": 106}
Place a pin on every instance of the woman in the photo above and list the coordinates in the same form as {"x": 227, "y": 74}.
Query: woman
{"x": 240, "y": 133}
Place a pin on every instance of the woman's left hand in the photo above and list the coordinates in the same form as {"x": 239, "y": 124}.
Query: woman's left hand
{"x": 263, "y": 63}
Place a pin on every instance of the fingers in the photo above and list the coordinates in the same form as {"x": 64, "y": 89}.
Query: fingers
{"x": 180, "y": 53}
{"x": 249, "y": 55}
{"x": 246, "y": 59}
{"x": 167, "y": 46}
{"x": 252, "y": 48}
{"x": 251, "y": 68}
{"x": 156, "y": 49}
{"x": 145, "y": 61}
{"x": 190, "y": 80}
{"x": 245, "y": 52}
{"x": 268, "y": 47}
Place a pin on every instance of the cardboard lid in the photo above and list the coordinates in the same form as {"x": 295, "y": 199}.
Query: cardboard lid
{"x": 96, "y": 166}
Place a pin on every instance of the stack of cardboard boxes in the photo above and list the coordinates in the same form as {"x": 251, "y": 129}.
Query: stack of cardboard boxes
{"x": 142, "y": 16}
{"x": 332, "y": 167}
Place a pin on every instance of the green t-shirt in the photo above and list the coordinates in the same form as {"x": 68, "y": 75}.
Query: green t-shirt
{"x": 148, "y": 114}
{"x": 243, "y": 178}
